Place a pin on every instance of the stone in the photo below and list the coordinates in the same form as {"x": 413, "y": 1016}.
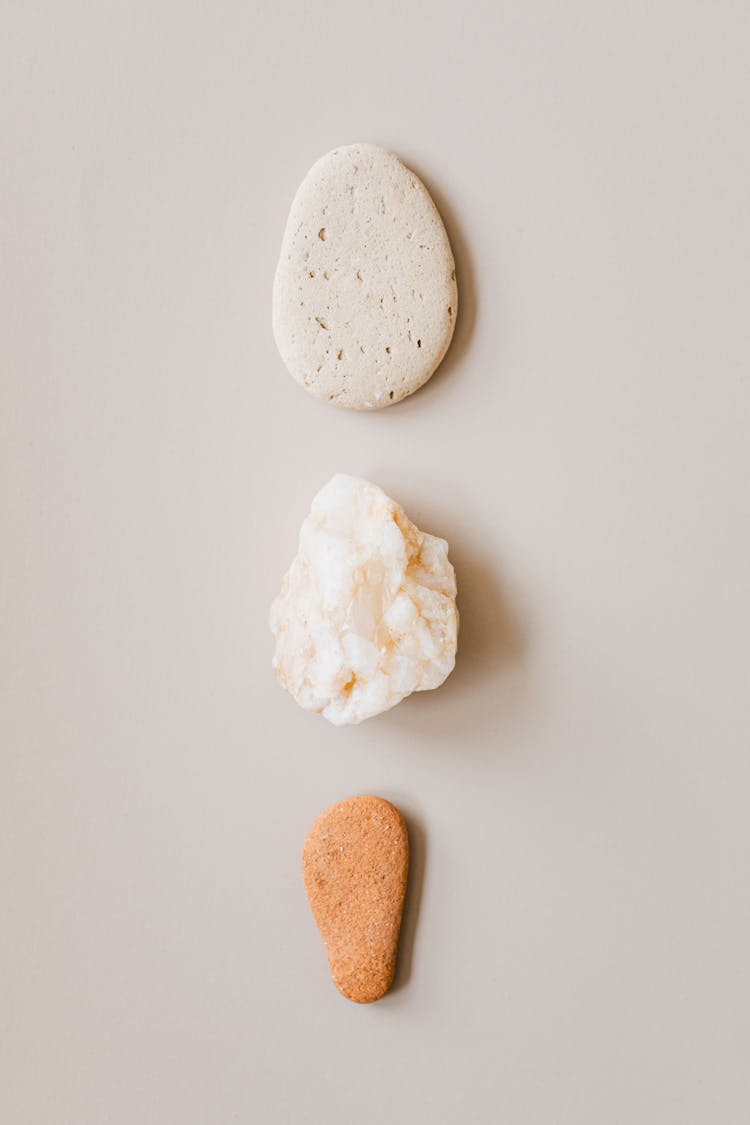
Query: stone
{"x": 355, "y": 865}
{"x": 367, "y": 612}
{"x": 365, "y": 297}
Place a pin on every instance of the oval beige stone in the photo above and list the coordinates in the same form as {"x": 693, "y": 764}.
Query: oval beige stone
{"x": 354, "y": 864}
{"x": 364, "y": 298}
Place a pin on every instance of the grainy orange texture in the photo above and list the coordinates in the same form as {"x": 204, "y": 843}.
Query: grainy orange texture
{"x": 355, "y": 864}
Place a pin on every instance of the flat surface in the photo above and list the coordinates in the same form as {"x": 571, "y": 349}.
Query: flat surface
{"x": 576, "y": 938}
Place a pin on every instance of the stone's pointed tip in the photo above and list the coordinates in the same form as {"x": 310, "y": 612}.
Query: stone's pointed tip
{"x": 355, "y": 865}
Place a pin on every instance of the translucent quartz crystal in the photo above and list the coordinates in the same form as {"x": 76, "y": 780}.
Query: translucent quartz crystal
{"x": 367, "y": 611}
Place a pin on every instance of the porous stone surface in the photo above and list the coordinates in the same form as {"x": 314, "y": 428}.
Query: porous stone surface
{"x": 364, "y": 298}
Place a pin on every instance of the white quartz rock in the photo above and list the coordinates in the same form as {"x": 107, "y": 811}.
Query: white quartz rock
{"x": 367, "y": 611}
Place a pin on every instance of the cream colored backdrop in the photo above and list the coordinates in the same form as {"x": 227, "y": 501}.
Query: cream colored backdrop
{"x": 578, "y": 928}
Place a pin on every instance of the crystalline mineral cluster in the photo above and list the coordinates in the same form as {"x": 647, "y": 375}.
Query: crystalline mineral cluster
{"x": 367, "y": 611}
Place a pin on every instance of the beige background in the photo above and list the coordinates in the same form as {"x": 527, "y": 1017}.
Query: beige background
{"x": 576, "y": 945}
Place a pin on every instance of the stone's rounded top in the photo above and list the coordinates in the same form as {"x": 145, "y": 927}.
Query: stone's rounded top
{"x": 365, "y": 297}
{"x": 367, "y": 612}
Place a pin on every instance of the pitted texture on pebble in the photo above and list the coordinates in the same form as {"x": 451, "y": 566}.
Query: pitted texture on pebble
{"x": 365, "y": 298}
{"x": 367, "y": 612}
{"x": 355, "y": 864}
